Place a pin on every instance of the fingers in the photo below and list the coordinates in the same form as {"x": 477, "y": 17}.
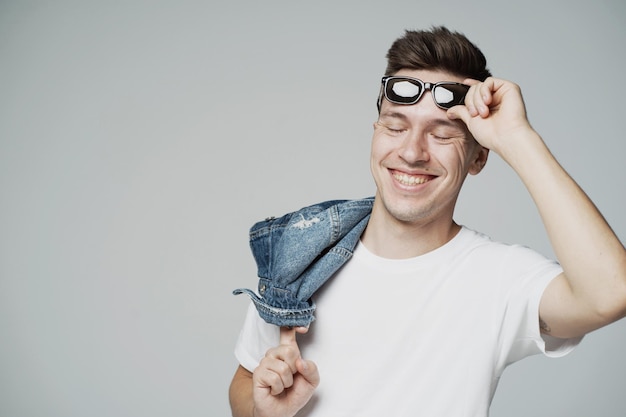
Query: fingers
{"x": 276, "y": 370}
{"x": 287, "y": 352}
{"x": 480, "y": 97}
{"x": 288, "y": 334}
{"x": 476, "y": 101}
{"x": 275, "y": 374}
{"x": 288, "y": 349}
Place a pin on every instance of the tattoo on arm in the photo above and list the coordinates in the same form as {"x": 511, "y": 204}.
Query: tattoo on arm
{"x": 544, "y": 326}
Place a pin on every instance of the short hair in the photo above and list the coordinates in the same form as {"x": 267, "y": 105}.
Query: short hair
{"x": 437, "y": 49}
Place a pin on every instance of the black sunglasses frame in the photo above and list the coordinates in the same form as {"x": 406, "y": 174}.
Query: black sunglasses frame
{"x": 423, "y": 86}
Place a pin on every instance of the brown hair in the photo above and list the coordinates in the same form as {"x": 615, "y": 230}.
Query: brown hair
{"x": 437, "y": 49}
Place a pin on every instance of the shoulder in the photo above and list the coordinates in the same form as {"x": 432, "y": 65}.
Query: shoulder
{"x": 505, "y": 258}
{"x": 481, "y": 242}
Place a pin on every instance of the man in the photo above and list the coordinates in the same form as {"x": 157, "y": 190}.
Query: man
{"x": 426, "y": 315}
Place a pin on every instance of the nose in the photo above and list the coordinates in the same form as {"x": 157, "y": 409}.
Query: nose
{"x": 414, "y": 148}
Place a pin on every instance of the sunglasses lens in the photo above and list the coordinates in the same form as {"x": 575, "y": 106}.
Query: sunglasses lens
{"x": 450, "y": 95}
{"x": 402, "y": 91}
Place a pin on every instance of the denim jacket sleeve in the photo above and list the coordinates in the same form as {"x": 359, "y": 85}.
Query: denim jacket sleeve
{"x": 298, "y": 252}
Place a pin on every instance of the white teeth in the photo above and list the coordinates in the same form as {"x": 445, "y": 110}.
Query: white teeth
{"x": 409, "y": 180}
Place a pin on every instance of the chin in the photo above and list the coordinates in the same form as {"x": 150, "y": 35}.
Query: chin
{"x": 407, "y": 213}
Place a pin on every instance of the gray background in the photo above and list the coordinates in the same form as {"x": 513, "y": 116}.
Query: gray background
{"x": 140, "y": 140}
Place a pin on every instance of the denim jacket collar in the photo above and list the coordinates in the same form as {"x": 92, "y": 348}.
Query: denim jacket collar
{"x": 298, "y": 252}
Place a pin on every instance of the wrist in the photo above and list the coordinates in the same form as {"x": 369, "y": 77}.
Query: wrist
{"x": 520, "y": 146}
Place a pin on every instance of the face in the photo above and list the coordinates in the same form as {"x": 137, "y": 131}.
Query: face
{"x": 420, "y": 158}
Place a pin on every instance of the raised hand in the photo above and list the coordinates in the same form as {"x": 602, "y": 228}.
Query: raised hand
{"x": 494, "y": 113}
{"x": 283, "y": 382}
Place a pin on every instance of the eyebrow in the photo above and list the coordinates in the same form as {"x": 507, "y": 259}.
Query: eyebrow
{"x": 443, "y": 121}
{"x": 393, "y": 114}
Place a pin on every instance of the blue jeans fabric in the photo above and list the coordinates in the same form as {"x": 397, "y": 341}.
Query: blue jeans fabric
{"x": 298, "y": 252}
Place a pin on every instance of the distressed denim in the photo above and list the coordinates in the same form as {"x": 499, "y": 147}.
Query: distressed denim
{"x": 298, "y": 252}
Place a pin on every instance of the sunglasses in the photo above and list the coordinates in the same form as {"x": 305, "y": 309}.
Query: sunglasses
{"x": 407, "y": 90}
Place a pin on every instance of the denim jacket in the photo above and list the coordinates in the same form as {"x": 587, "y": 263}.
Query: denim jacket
{"x": 297, "y": 253}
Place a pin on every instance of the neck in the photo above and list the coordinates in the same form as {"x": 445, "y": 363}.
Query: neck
{"x": 394, "y": 239}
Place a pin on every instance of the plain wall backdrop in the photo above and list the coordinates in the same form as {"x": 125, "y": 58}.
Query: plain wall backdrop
{"x": 139, "y": 140}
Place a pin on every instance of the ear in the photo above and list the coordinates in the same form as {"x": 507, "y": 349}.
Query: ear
{"x": 479, "y": 159}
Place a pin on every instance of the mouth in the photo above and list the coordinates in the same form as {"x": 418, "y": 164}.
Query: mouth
{"x": 406, "y": 179}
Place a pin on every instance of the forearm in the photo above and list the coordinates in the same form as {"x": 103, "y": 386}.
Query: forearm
{"x": 592, "y": 257}
{"x": 240, "y": 394}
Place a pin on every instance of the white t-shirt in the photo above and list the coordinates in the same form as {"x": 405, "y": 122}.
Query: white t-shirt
{"x": 426, "y": 336}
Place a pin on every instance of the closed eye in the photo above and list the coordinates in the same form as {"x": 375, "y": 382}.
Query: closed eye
{"x": 441, "y": 137}
{"x": 447, "y": 134}
{"x": 392, "y": 129}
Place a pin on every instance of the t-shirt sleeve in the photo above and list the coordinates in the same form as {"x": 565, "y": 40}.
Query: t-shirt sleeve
{"x": 521, "y": 335}
{"x": 255, "y": 338}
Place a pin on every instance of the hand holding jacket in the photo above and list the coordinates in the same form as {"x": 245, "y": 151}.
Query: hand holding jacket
{"x": 283, "y": 382}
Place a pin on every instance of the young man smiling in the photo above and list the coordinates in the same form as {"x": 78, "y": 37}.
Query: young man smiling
{"x": 427, "y": 314}
{"x": 419, "y": 160}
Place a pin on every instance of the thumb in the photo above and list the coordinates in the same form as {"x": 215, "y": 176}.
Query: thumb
{"x": 308, "y": 369}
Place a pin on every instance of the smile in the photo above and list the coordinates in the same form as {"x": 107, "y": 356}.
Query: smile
{"x": 406, "y": 179}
